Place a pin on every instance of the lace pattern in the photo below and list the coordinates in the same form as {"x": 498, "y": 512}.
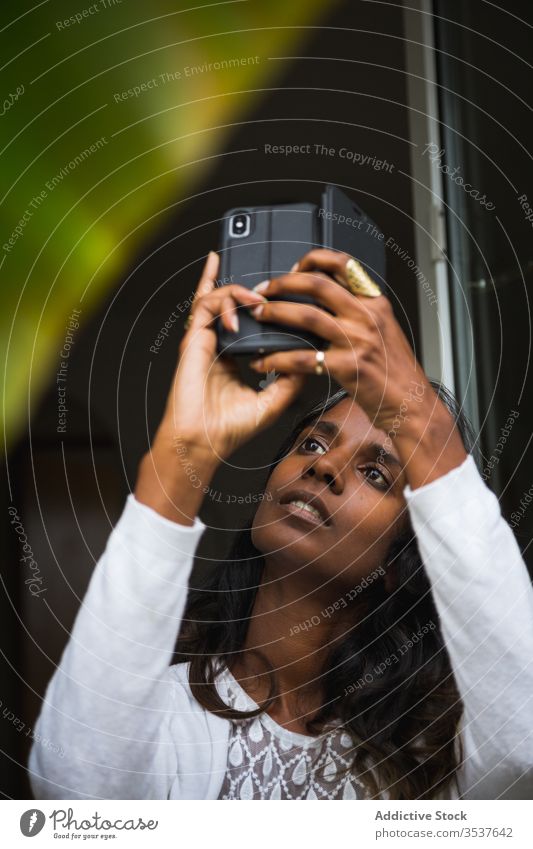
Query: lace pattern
{"x": 267, "y": 761}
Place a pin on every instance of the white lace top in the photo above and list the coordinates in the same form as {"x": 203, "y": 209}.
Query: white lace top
{"x": 267, "y": 761}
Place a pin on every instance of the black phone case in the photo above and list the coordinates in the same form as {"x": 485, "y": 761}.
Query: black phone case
{"x": 348, "y": 229}
{"x": 280, "y": 235}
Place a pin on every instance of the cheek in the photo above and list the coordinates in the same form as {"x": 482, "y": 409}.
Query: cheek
{"x": 378, "y": 525}
{"x": 257, "y": 527}
{"x": 262, "y": 526}
{"x": 367, "y": 538}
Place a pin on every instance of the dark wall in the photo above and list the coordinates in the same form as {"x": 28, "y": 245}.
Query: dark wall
{"x": 485, "y": 72}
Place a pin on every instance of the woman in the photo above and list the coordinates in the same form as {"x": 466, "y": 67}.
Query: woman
{"x": 324, "y": 661}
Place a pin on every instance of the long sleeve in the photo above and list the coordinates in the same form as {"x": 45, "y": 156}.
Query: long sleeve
{"x": 484, "y": 598}
{"x": 110, "y": 700}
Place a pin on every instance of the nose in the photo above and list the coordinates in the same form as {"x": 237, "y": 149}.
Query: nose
{"x": 327, "y": 469}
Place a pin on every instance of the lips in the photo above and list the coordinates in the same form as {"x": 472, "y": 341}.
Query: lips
{"x": 309, "y": 498}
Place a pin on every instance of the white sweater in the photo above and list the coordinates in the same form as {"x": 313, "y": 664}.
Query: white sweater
{"x": 131, "y": 729}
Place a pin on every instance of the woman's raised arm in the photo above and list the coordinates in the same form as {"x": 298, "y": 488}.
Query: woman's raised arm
{"x": 484, "y": 598}
{"x": 108, "y": 704}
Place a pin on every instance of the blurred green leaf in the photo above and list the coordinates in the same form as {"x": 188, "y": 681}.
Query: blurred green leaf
{"x": 111, "y": 112}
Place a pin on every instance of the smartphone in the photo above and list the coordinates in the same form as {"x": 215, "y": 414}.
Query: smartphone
{"x": 263, "y": 242}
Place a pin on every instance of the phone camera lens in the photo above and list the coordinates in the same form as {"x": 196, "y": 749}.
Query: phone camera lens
{"x": 239, "y": 225}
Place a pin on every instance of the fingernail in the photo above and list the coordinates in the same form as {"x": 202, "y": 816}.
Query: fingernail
{"x": 295, "y": 267}
{"x": 256, "y": 311}
{"x": 261, "y": 287}
{"x": 234, "y": 321}
{"x": 258, "y": 364}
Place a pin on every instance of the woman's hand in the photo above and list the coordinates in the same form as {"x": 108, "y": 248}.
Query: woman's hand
{"x": 368, "y": 354}
{"x": 208, "y": 405}
{"x": 209, "y": 411}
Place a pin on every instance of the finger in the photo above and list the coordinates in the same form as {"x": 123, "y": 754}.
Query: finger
{"x": 273, "y": 400}
{"x": 304, "y": 316}
{"x": 302, "y": 361}
{"x": 334, "y": 262}
{"x": 286, "y": 362}
{"x": 324, "y": 259}
{"x": 207, "y": 281}
{"x": 322, "y": 288}
{"x": 230, "y": 303}
{"x": 222, "y": 301}
{"x": 228, "y": 314}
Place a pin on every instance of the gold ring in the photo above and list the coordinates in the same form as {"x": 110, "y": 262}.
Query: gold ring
{"x": 188, "y": 321}
{"x": 359, "y": 282}
{"x": 319, "y": 367}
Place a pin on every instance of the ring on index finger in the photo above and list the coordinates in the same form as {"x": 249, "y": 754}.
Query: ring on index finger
{"x": 359, "y": 281}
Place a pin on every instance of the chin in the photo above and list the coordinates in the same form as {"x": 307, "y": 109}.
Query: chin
{"x": 291, "y": 547}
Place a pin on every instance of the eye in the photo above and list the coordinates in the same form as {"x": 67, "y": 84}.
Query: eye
{"x": 309, "y": 443}
{"x": 381, "y": 481}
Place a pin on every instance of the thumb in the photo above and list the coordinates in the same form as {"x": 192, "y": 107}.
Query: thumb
{"x": 273, "y": 400}
{"x": 207, "y": 281}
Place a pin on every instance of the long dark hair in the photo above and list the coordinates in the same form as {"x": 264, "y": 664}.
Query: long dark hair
{"x": 402, "y": 716}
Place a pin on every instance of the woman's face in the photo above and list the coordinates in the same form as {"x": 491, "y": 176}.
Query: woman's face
{"x": 354, "y": 473}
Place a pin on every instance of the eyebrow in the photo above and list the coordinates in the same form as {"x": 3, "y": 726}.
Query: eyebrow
{"x": 329, "y": 428}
